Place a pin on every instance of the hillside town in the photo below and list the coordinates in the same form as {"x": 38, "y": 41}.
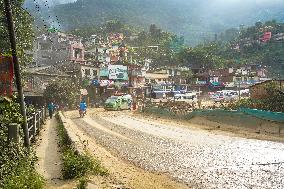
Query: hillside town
{"x": 103, "y": 67}
{"x": 141, "y": 94}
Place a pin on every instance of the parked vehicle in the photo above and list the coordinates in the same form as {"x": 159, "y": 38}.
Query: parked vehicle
{"x": 224, "y": 96}
{"x": 218, "y": 97}
{"x": 187, "y": 98}
{"x": 118, "y": 103}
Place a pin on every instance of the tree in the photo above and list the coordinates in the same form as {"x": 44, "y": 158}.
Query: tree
{"x": 23, "y": 28}
{"x": 62, "y": 92}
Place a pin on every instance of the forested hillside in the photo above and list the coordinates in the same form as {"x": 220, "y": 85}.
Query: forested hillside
{"x": 233, "y": 47}
{"x": 196, "y": 20}
{"x": 245, "y": 47}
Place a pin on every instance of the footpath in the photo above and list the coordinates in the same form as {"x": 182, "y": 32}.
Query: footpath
{"x": 48, "y": 153}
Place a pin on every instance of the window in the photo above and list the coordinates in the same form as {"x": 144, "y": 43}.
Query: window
{"x": 78, "y": 53}
{"x": 87, "y": 72}
{"x": 95, "y": 72}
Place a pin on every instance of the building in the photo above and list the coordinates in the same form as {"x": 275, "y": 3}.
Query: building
{"x": 137, "y": 75}
{"x": 159, "y": 77}
{"x": 56, "y": 48}
{"x": 36, "y": 80}
{"x": 105, "y": 51}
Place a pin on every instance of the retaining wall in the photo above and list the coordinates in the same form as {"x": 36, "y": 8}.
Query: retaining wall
{"x": 77, "y": 144}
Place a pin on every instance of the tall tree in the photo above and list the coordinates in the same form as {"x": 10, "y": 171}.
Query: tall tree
{"x": 23, "y": 27}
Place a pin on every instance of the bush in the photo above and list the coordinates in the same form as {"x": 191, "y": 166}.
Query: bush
{"x": 77, "y": 165}
{"x": 62, "y": 92}
{"x": 18, "y": 169}
{"x": 274, "y": 102}
{"x": 83, "y": 182}
{"x": 17, "y": 165}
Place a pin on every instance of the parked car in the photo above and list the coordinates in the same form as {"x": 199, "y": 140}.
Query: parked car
{"x": 218, "y": 97}
{"x": 187, "y": 98}
{"x": 118, "y": 103}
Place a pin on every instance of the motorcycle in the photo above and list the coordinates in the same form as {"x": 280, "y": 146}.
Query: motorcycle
{"x": 82, "y": 113}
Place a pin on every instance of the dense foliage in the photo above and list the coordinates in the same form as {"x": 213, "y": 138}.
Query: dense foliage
{"x": 63, "y": 93}
{"x": 110, "y": 26}
{"x": 240, "y": 47}
{"x": 273, "y": 102}
{"x": 17, "y": 166}
{"x": 23, "y": 28}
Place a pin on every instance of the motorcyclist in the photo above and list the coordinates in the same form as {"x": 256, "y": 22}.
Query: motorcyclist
{"x": 83, "y": 106}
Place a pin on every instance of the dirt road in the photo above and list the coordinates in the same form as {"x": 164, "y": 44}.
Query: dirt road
{"x": 198, "y": 158}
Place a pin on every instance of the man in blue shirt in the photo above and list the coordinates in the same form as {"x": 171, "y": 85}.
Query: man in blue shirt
{"x": 50, "y": 109}
{"x": 83, "y": 107}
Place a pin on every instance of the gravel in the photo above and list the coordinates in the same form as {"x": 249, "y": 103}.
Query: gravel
{"x": 198, "y": 158}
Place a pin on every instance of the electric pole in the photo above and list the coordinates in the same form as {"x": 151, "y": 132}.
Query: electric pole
{"x": 12, "y": 37}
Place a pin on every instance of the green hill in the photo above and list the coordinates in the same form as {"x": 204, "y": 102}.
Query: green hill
{"x": 196, "y": 20}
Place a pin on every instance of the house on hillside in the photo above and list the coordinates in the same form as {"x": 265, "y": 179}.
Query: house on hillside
{"x": 158, "y": 77}
{"x": 56, "y": 48}
{"x": 279, "y": 37}
{"x": 200, "y": 76}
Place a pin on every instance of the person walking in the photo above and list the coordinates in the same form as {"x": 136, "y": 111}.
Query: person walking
{"x": 199, "y": 103}
{"x": 50, "y": 109}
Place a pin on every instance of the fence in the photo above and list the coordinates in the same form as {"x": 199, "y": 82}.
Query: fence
{"x": 267, "y": 115}
{"x": 35, "y": 124}
{"x": 181, "y": 114}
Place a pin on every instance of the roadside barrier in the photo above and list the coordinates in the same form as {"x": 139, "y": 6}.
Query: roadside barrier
{"x": 35, "y": 124}
{"x": 261, "y": 114}
{"x": 267, "y": 115}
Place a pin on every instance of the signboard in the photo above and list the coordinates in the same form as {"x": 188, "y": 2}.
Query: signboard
{"x": 201, "y": 82}
{"x": 117, "y": 72}
{"x": 104, "y": 83}
{"x": 104, "y": 72}
{"x": 6, "y": 75}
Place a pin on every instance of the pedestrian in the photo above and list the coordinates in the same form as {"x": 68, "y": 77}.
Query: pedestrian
{"x": 50, "y": 109}
{"x": 199, "y": 103}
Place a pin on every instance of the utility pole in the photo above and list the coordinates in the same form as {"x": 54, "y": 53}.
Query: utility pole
{"x": 11, "y": 29}
{"x": 239, "y": 86}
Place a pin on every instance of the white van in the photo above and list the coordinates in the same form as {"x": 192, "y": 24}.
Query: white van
{"x": 187, "y": 98}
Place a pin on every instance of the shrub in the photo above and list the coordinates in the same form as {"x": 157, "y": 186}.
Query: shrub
{"x": 83, "y": 182}
{"x": 77, "y": 165}
{"x": 18, "y": 169}
{"x": 17, "y": 165}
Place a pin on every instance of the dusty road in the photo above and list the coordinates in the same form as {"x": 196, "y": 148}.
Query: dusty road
{"x": 199, "y": 158}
